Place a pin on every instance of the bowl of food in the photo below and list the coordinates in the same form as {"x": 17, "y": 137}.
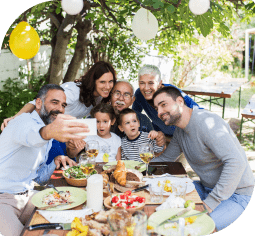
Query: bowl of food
{"x": 128, "y": 201}
{"x": 77, "y": 175}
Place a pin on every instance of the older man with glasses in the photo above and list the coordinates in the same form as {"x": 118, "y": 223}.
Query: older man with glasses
{"x": 123, "y": 97}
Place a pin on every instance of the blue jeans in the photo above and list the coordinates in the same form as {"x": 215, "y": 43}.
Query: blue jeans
{"x": 228, "y": 210}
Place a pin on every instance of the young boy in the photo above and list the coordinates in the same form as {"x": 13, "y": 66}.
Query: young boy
{"x": 129, "y": 124}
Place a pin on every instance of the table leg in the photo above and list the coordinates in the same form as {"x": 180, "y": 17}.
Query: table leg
{"x": 254, "y": 137}
{"x": 239, "y": 105}
{"x": 210, "y": 107}
{"x": 223, "y": 110}
{"x": 241, "y": 126}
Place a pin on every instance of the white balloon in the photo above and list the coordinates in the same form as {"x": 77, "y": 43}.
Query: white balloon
{"x": 199, "y": 7}
{"x": 144, "y": 25}
{"x": 72, "y": 7}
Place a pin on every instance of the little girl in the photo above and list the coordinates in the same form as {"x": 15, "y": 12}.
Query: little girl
{"x": 109, "y": 143}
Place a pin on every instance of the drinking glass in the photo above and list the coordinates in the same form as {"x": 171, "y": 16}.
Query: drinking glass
{"x": 92, "y": 148}
{"x": 146, "y": 153}
{"x": 156, "y": 194}
{"x": 139, "y": 223}
{"x": 179, "y": 189}
{"x": 120, "y": 222}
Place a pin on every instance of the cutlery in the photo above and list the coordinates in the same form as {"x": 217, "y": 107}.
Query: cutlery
{"x": 63, "y": 226}
{"x": 140, "y": 188}
{"x": 109, "y": 189}
{"x": 52, "y": 206}
{"x": 52, "y": 186}
{"x": 170, "y": 220}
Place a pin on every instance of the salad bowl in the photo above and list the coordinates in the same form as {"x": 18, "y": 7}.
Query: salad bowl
{"x": 75, "y": 176}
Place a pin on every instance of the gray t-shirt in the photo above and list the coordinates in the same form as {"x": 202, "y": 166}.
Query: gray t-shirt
{"x": 215, "y": 154}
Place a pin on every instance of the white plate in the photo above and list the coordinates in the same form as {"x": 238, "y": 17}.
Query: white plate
{"x": 154, "y": 183}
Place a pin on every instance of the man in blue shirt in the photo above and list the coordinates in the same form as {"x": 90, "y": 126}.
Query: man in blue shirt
{"x": 24, "y": 146}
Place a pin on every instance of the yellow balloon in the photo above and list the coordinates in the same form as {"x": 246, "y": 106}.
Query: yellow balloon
{"x": 24, "y": 41}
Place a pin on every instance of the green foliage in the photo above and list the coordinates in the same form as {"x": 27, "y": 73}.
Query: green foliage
{"x": 15, "y": 94}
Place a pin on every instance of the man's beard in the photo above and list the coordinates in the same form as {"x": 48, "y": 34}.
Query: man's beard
{"x": 47, "y": 116}
{"x": 174, "y": 118}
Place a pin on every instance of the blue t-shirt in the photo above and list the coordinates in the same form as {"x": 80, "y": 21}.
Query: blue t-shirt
{"x": 141, "y": 103}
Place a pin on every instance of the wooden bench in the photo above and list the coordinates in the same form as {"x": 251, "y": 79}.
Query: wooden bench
{"x": 248, "y": 114}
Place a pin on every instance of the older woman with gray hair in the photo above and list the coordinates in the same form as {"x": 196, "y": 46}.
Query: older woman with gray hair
{"x": 149, "y": 78}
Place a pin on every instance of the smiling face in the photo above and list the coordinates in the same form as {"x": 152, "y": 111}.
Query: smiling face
{"x": 122, "y": 96}
{"x": 104, "y": 123}
{"x": 148, "y": 85}
{"x": 130, "y": 125}
{"x": 53, "y": 104}
{"x": 104, "y": 85}
{"x": 168, "y": 109}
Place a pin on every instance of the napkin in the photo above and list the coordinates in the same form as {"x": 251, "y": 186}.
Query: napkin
{"x": 66, "y": 216}
{"x": 171, "y": 202}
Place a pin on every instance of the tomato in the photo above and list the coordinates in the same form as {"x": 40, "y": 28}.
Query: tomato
{"x": 130, "y": 201}
{"x": 123, "y": 197}
{"x": 115, "y": 199}
{"x": 128, "y": 193}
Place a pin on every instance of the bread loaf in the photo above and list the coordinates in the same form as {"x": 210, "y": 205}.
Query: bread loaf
{"x": 134, "y": 175}
{"x": 120, "y": 173}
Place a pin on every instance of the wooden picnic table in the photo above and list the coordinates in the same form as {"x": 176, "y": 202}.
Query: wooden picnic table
{"x": 174, "y": 168}
{"x": 248, "y": 114}
{"x": 219, "y": 88}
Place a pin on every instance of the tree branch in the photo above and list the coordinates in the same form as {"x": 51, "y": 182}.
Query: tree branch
{"x": 147, "y": 7}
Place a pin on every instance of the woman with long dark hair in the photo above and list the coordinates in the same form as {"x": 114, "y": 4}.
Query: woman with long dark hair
{"x": 81, "y": 96}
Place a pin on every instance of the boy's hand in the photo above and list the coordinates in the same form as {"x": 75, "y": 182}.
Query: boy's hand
{"x": 153, "y": 134}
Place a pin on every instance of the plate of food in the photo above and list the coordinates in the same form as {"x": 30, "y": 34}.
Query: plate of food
{"x": 77, "y": 175}
{"x": 69, "y": 198}
{"x": 194, "y": 225}
{"x": 167, "y": 182}
{"x": 135, "y": 165}
{"x": 128, "y": 201}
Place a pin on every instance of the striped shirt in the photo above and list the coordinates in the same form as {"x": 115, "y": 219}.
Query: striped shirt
{"x": 130, "y": 148}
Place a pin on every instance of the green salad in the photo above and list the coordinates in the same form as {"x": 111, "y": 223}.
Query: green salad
{"x": 77, "y": 173}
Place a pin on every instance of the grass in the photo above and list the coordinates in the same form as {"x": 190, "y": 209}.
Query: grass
{"x": 233, "y": 102}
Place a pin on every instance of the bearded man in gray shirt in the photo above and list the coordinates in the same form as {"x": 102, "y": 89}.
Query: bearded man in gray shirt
{"x": 213, "y": 152}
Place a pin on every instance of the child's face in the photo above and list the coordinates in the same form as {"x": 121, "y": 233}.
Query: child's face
{"x": 103, "y": 124}
{"x": 130, "y": 125}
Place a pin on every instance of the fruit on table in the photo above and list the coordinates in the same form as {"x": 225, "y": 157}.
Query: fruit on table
{"x": 190, "y": 203}
{"x": 167, "y": 186}
{"x": 190, "y": 220}
{"x": 78, "y": 229}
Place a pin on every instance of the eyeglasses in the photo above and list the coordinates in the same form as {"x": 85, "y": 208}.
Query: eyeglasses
{"x": 126, "y": 96}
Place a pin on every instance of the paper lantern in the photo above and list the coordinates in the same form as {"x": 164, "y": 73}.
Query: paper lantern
{"x": 144, "y": 25}
{"x": 24, "y": 41}
{"x": 199, "y": 7}
{"x": 72, "y": 7}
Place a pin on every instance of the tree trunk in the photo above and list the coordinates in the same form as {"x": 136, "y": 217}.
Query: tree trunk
{"x": 58, "y": 56}
{"x": 83, "y": 28}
